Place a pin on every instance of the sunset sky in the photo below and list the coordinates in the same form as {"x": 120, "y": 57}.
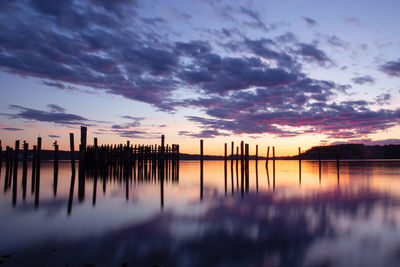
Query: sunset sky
{"x": 286, "y": 73}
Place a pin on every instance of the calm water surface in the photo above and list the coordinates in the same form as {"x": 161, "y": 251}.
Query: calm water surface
{"x": 281, "y": 218}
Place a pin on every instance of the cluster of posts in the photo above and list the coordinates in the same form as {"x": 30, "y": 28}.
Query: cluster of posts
{"x": 243, "y": 157}
{"x": 122, "y": 163}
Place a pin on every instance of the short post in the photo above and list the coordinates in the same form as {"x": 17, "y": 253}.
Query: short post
{"x": 201, "y": 169}
{"x": 71, "y": 147}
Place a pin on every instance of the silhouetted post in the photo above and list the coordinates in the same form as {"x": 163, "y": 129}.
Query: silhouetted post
{"x": 256, "y": 155}
{"x": 299, "y": 166}
{"x": 7, "y": 168}
{"x": 96, "y": 153}
{"x": 266, "y": 161}
{"x": 24, "y": 170}
{"x": 225, "y": 168}
{"x": 82, "y": 147}
{"x": 1, "y": 157}
{"x": 201, "y": 169}
{"x": 319, "y": 163}
{"x": 337, "y": 161}
{"x": 273, "y": 168}
{"x": 16, "y": 152}
{"x": 225, "y": 153}
{"x": 237, "y": 157}
{"x": 37, "y": 183}
{"x": 162, "y": 155}
{"x": 247, "y": 166}
{"x": 232, "y": 152}
{"x": 337, "y": 166}
{"x": 55, "y": 168}
{"x": 33, "y": 181}
{"x": 71, "y": 146}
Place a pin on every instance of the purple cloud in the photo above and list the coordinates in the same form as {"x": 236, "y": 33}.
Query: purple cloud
{"x": 312, "y": 54}
{"x": 309, "y": 21}
{"x": 367, "y": 79}
{"x": 11, "y": 129}
{"x": 391, "y": 68}
{"x": 55, "y": 115}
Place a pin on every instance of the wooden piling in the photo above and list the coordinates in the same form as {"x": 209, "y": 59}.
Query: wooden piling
{"x": 201, "y": 169}
{"x": 33, "y": 180}
{"x": 247, "y": 166}
{"x": 55, "y": 168}
{"x": 299, "y": 166}
{"x": 256, "y": 154}
{"x": 82, "y": 147}
{"x": 225, "y": 154}
{"x": 273, "y": 168}
{"x": 24, "y": 169}
{"x": 71, "y": 147}
{"x": 232, "y": 153}
{"x": 319, "y": 163}
{"x": 266, "y": 161}
{"x": 37, "y": 178}
{"x": 16, "y": 154}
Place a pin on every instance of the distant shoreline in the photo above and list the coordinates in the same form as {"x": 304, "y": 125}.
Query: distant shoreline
{"x": 355, "y": 152}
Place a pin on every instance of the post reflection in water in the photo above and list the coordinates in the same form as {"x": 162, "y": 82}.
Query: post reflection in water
{"x": 131, "y": 218}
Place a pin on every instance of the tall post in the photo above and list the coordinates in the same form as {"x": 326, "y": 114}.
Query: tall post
{"x": 55, "y": 168}
{"x": 72, "y": 149}
{"x": 1, "y": 156}
{"x": 37, "y": 178}
{"x": 319, "y": 163}
{"x": 201, "y": 169}
{"x": 225, "y": 168}
{"x": 82, "y": 147}
{"x": 299, "y": 166}
{"x": 232, "y": 152}
{"x": 247, "y": 166}
{"x": 24, "y": 170}
{"x": 266, "y": 161}
{"x": 273, "y": 168}
{"x": 16, "y": 152}
{"x": 256, "y": 155}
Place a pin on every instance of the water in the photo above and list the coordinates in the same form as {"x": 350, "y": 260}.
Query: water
{"x": 286, "y": 219}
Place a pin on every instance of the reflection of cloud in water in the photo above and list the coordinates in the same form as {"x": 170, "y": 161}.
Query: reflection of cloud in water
{"x": 335, "y": 228}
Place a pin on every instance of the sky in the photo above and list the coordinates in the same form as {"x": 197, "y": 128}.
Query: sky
{"x": 273, "y": 73}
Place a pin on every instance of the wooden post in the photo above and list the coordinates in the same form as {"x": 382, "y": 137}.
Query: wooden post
{"x": 337, "y": 161}
{"x": 1, "y": 156}
{"x": 201, "y": 169}
{"x": 82, "y": 147}
{"x": 37, "y": 179}
{"x": 273, "y": 168}
{"x": 256, "y": 155}
{"x": 299, "y": 166}
{"x": 232, "y": 152}
{"x": 33, "y": 181}
{"x": 71, "y": 146}
{"x": 266, "y": 161}
{"x": 247, "y": 166}
{"x": 24, "y": 170}
{"x": 226, "y": 151}
{"x": 319, "y": 163}
{"x": 55, "y": 168}
{"x": 16, "y": 152}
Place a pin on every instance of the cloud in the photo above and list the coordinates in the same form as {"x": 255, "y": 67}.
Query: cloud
{"x": 367, "y": 79}
{"x": 383, "y": 98}
{"x": 11, "y": 129}
{"x": 203, "y": 134}
{"x": 53, "y": 136}
{"x": 135, "y": 122}
{"x": 309, "y": 21}
{"x": 55, "y": 115}
{"x": 312, "y": 54}
{"x": 391, "y": 68}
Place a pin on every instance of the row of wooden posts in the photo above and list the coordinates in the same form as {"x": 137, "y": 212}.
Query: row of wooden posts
{"x": 129, "y": 162}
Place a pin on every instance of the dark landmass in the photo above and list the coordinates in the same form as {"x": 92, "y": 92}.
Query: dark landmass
{"x": 351, "y": 151}
{"x": 346, "y": 151}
